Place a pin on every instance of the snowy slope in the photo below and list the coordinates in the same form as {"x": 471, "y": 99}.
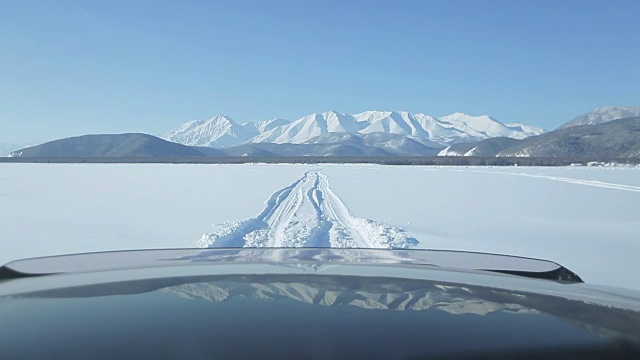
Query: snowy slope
{"x": 310, "y": 126}
{"x": 603, "y": 114}
{"x": 266, "y": 125}
{"x": 484, "y": 127}
{"x": 528, "y": 130}
{"x": 441, "y": 132}
{"x": 222, "y": 131}
{"x": 393, "y": 122}
{"x": 219, "y": 131}
{"x": 488, "y": 148}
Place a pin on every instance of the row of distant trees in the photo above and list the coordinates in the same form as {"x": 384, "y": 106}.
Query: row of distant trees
{"x": 385, "y": 160}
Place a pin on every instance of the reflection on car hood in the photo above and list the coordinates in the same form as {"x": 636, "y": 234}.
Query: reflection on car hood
{"x": 376, "y": 295}
{"x": 370, "y": 293}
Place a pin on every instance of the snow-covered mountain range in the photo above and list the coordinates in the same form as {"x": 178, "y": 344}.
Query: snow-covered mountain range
{"x": 615, "y": 139}
{"x": 220, "y": 131}
{"x": 223, "y": 131}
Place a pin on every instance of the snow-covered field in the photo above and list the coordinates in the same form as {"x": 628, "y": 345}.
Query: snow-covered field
{"x": 587, "y": 219}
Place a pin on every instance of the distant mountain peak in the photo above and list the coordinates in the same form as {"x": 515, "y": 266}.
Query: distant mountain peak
{"x": 106, "y": 146}
{"x": 603, "y": 114}
{"x": 220, "y": 130}
{"x": 221, "y": 117}
{"x": 467, "y": 117}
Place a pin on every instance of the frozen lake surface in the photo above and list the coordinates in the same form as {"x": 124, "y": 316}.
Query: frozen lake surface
{"x": 587, "y": 219}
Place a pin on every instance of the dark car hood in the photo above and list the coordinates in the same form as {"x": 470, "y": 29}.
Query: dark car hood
{"x": 346, "y": 302}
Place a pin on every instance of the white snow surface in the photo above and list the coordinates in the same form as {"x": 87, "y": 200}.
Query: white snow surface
{"x": 585, "y": 218}
{"x": 307, "y": 213}
{"x": 222, "y": 131}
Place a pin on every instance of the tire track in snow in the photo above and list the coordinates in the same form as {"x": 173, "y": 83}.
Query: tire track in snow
{"x": 592, "y": 183}
{"x": 321, "y": 236}
{"x": 342, "y": 221}
{"x": 307, "y": 213}
{"x": 232, "y": 234}
{"x": 281, "y": 215}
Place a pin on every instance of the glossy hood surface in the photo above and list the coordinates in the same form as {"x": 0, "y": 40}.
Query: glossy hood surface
{"x": 304, "y": 303}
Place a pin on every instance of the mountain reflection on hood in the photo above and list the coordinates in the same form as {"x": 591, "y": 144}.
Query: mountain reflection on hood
{"x": 379, "y": 295}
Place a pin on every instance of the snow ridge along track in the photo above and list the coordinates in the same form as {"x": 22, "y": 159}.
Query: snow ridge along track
{"x": 307, "y": 213}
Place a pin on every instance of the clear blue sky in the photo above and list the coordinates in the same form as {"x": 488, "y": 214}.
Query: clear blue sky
{"x": 76, "y": 67}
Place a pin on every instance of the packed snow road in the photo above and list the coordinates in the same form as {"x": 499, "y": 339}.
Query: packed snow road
{"x": 307, "y": 213}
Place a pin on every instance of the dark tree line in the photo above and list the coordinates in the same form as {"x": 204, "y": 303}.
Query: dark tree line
{"x": 383, "y": 160}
